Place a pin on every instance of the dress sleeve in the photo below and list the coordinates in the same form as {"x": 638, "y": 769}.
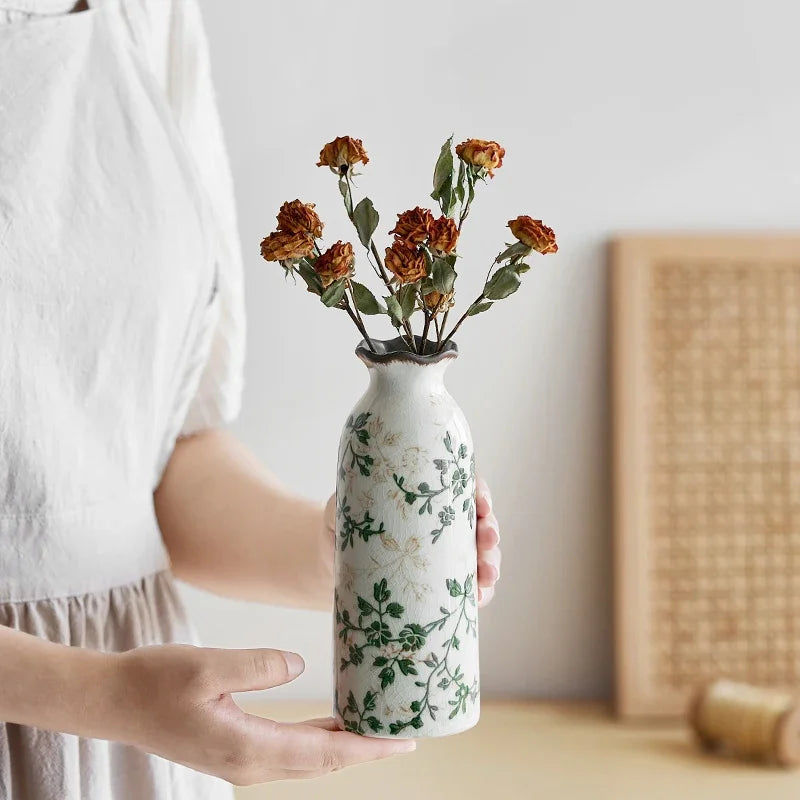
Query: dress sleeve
{"x": 191, "y": 95}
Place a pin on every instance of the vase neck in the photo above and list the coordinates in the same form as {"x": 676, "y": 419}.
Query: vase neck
{"x": 399, "y": 377}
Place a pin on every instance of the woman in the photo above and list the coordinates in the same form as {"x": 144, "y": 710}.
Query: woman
{"x": 121, "y": 349}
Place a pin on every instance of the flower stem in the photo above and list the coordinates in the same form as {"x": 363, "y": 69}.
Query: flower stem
{"x": 458, "y": 324}
{"x": 441, "y": 329}
{"x": 380, "y": 269}
{"x": 359, "y": 317}
{"x": 358, "y": 323}
{"x": 425, "y": 327}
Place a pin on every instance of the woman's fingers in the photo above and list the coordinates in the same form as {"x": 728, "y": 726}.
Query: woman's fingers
{"x": 483, "y": 498}
{"x": 249, "y": 670}
{"x": 487, "y": 537}
{"x": 489, "y": 567}
{"x": 326, "y": 723}
{"x": 488, "y": 532}
{"x": 307, "y": 747}
{"x": 485, "y": 596}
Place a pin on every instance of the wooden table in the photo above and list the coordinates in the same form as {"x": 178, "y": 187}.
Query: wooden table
{"x": 547, "y": 751}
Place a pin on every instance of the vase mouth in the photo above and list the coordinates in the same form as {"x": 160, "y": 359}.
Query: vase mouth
{"x": 389, "y": 351}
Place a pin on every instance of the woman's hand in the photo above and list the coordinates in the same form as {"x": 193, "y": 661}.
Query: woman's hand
{"x": 487, "y": 533}
{"x": 175, "y": 701}
{"x": 488, "y": 539}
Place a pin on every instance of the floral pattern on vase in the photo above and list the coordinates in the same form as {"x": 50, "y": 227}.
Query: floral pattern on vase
{"x": 406, "y": 634}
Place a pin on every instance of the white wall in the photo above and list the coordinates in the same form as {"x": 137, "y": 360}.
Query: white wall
{"x": 615, "y": 115}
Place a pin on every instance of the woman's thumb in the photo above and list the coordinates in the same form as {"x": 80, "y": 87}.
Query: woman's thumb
{"x": 262, "y": 668}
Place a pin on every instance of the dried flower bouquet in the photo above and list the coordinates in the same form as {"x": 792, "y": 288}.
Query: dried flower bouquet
{"x": 418, "y": 270}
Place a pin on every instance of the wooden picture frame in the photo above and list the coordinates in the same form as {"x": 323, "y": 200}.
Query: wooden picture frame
{"x": 706, "y": 451}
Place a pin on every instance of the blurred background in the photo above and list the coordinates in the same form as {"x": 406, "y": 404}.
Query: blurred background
{"x": 615, "y": 116}
{"x": 619, "y": 116}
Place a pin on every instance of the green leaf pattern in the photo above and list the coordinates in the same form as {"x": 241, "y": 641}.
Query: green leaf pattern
{"x": 378, "y": 632}
{"x": 406, "y": 671}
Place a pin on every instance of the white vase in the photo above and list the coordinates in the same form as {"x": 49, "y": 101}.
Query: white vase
{"x": 406, "y": 638}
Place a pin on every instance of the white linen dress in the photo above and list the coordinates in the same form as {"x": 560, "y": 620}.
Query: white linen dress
{"x": 121, "y": 328}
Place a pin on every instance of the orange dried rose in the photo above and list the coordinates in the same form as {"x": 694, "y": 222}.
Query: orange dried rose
{"x": 336, "y": 262}
{"x": 534, "y": 233}
{"x": 285, "y": 246}
{"x": 342, "y": 153}
{"x": 436, "y": 301}
{"x": 443, "y": 235}
{"x": 407, "y": 263}
{"x": 299, "y": 217}
{"x": 413, "y": 226}
{"x": 482, "y": 153}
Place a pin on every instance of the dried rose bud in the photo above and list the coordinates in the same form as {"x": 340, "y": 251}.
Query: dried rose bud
{"x": 336, "y": 262}
{"x": 481, "y": 153}
{"x": 534, "y": 233}
{"x": 436, "y": 301}
{"x": 298, "y": 217}
{"x": 342, "y": 153}
{"x": 413, "y": 226}
{"x": 443, "y": 235}
{"x": 407, "y": 263}
{"x": 285, "y": 246}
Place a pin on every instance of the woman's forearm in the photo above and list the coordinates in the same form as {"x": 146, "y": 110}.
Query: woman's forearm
{"x": 53, "y": 686}
{"x": 232, "y": 529}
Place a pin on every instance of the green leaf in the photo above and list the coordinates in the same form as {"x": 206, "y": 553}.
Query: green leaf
{"x": 443, "y": 276}
{"x": 333, "y": 295}
{"x": 374, "y": 723}
{"x": 346, "y": 196}
{"x": 380, "y": 661}
{"x": 407, "y": 297}
{"x": 470, "y": 184}
{"x": 460, "y": 182}
{"x": 478, "y": 308}
{"x": 503, "y": 283}
{"x": 514, "y": 251}
{"x": 364, "y": 607}
{"x": 365, "y": 301}
{"x": 521, "y": 268}
{"x": 394, "y": 310}
{"x": 448, "y": 442}
{"x": 380, "y": 591}
{"x": 309, "y": 275}
{"x": 454, "y": 587}
{"x": 387, "y": 677}
{"x": 405, "y": 665}
{"x": 365, "y": 218}
{"x": 395, "y": 610}
{"x": 443, "y": 172}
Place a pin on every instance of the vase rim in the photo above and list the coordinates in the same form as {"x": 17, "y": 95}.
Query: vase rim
{"x": 389, "y": 351}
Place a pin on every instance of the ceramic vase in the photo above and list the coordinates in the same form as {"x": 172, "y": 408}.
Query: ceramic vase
{"x": 406, "y": 622}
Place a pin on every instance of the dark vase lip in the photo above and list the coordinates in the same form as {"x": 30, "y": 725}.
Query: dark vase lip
{"x": 388, "y": 351}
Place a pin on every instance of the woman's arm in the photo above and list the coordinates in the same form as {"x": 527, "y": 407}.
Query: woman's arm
{"x": 232, "y": 529}
{"x": 175, "y": 701}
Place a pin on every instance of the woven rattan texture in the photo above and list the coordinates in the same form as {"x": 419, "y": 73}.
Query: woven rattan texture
{"x": 723, "y": 472}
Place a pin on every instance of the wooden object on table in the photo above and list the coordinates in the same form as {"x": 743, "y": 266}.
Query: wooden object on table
{"x": 747, "y": 722}
{"x": 706, "y": 380}
{"x": 540, "y": 750}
